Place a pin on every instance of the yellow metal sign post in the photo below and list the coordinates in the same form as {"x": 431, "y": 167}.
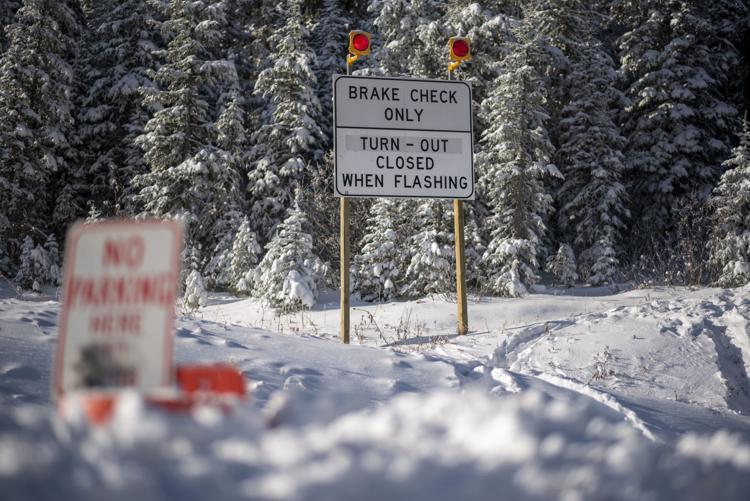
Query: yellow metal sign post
{"x": 460, "y": 51}
{"x": 359, "y": 45}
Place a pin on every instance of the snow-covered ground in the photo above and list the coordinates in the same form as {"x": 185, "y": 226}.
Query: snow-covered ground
{"x": 564, "y": 394}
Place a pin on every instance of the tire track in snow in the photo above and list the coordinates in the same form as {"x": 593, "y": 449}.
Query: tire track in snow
{"x": 732, "y": 346}
{"x": 603, "y": 398}
{"x": 508, "y": 351}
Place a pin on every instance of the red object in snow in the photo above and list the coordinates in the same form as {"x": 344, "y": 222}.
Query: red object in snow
{"x": 217, "y": 385}
{"x": 214, "y": 379}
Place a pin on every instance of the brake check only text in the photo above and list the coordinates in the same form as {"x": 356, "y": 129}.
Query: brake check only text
{"x": 404, "y": 138}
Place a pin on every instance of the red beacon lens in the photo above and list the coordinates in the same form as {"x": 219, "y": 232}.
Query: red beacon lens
{"x": 360, "y": 42}
{"x": 460, "y": 48}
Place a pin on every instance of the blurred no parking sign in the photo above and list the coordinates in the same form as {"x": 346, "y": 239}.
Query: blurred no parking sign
{"x": 117, "y": 319}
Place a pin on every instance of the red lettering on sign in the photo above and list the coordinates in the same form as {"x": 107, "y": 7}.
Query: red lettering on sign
{"x": 132, "y": 290}
{"x": 119, "y": 323}
{"x": 124, "y": 251}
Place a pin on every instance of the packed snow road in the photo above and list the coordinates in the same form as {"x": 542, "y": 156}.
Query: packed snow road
{"x": 638, "y": 395}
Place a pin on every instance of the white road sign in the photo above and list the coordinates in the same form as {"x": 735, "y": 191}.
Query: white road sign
{"x": 117, "y": 319}
{"x": 397, "y": 137}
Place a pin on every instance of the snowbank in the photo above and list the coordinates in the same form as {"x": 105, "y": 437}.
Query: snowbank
{"x": 639, "y": 395}
{"x": 442, "y": 445}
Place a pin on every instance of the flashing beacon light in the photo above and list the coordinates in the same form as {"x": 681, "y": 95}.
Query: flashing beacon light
{"x": 359, "y": 43}
{"x": 460, "y": 48}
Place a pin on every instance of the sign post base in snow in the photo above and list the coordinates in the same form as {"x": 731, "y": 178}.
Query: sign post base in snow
{"x": 359, "y": 45}
{"x": 344, "y": 214}
{"x": 458, "y": 226}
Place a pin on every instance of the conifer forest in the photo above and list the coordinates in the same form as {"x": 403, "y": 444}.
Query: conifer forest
{"x": 612, "y": 141}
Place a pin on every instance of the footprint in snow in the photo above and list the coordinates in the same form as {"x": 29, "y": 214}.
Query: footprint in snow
{"x": 400, "y": 386}
{"x": 295, "y": 383}
{"x": 402, "y": 364}
{"x": 41, "y": 322}
{"x": 289, "y": 370}
{"x": 22, "y": 372}
{"x": 184, "y": 333}
{"x": 234, "y": 344}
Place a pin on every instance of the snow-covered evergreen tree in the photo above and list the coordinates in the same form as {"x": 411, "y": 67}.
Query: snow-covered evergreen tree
{"x": 37, "y": 120}
{"x": 243, "y": 258}
{"x": 516, "y": 158}
{"x": 227, "y": 229}
{"x": 431, "y": 250}
{"x": 566, "y": 26}
{"x": 119, "y": 55}
{"x": 679, "y": 123}
{"x": 195, "y": 295}
{"x": 27, "y": 273}
{"x": 191, "y": 177}
{"x": 330, "y": 38}
{"x": 290, "y": 274}
{"x": 40, "y": 264}
{"x": 251, "y": 31}
{"x": 413, "y": 36}
{"x": 730, "y": 242}
{"x": 563, "y": 265}
{"x": 289, "y": 140}
{"x": 592, "y": 199}
{"x": 474, "y": 246}
{"x": 8, "y": 10}
{"x": 380, "y": 265}
{"x": 54, "y": 274}
{"x": 187, "y": 81}
{"x": 488, "y": 28}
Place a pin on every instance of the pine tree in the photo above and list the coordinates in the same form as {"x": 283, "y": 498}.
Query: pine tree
{"x": 592, "y": 199}
{"x": 730, "y": 242}
{"x": 563, "y": 265}
{"x": 191, "y": 177}
{"x": 68, "y": 180}
{"x": 380, "y": 265}
{"x": 39, "y": 265}
{"x": 431, "y": 261}
{"x": 231, "y": 218}
{"x": 679, "y": 123}
{"x": 36, "y": 130}
{"x": 413, "y": 37}
{"x": 243, "y": 258}
{"x": 8, "y": 10}
{"x": 488, "y": 28}
{"x": 118, "y": 59}
{"x": 289, "y": 275}
{"x": 566, "y": 26}
{"x": 289, "y": 141}
{"x": 474, "y": 246}
{"x": 516, "y": 159}
{"x": 251, "y": 34}
{"x": 330, "y": 37}
{"x": 27, "y": 273}
{"x": 195, "y": 296}
{"x": 52, "y": 249}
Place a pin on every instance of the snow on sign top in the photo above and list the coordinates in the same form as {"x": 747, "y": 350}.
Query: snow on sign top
{"x": 398, "y": 137}
{"x": 117, "y": 319}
